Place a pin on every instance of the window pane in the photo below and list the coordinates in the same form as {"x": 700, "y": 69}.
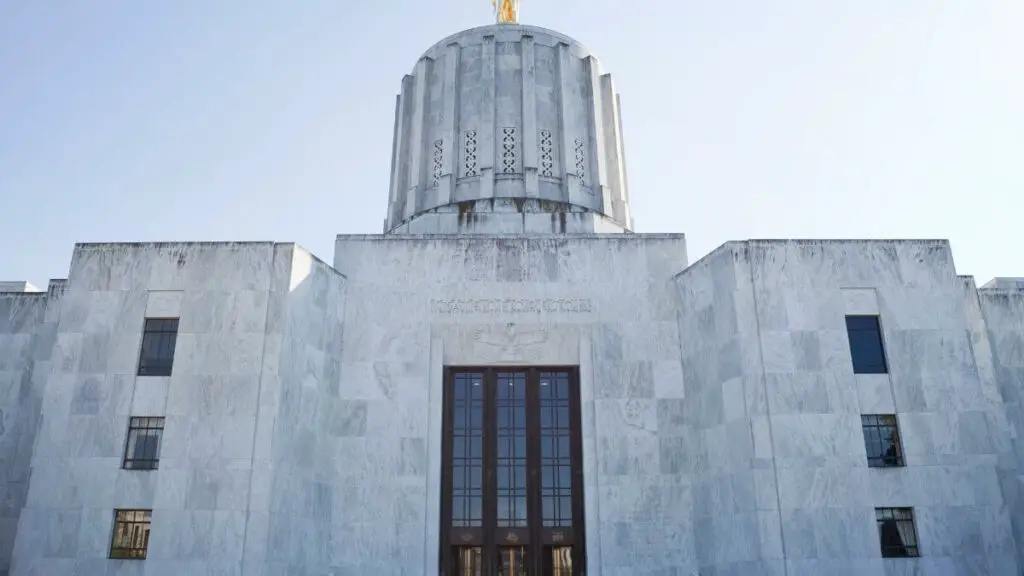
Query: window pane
{"x": 866, "y": 349}
{"x": 556, "y": 456}
{"x": 130, "y": 538}
{"x": 881, "y": 440}
{"x": 510, "y": 405}
{"x": 142, "y": 451}
{"x": 157, "y": 352}
{"x": 467, "y": 458}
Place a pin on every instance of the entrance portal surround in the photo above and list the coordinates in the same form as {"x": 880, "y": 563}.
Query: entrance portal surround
{"x": 451, "y": 355}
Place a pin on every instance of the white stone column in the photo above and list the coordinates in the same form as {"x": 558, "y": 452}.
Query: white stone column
{"x": 449, "y": 163}
{"x": 486, "y": 134}
{"x": 529, "y": 138}
{"x": 417, "y": 148}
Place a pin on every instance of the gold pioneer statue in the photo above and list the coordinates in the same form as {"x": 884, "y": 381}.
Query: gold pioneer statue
{"x": 508, "y": 11}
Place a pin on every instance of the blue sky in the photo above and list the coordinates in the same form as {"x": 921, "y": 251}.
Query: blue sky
{"x": 123, "y": 120}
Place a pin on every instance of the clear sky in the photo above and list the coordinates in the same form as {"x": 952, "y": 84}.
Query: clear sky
{"x": 123, "y": 120}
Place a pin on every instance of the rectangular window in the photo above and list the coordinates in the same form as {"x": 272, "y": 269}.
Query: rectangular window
{"x": 512, "y": 484}
{"x": 866, "y": 348}
{"x": 158, "y": 338}
{"x": 131, "y": 534}
{"x": 882, "y": 440}
{"x": 142, "y": 452}
{"x": 896, "y": 532}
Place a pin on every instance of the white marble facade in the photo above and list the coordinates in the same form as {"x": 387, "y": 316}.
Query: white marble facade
{"x": 720, "y": 409}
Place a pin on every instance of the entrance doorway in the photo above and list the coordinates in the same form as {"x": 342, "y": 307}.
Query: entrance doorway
{"x": 512, "y": 480}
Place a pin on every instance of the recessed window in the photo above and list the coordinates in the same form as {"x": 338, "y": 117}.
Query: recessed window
{"x": 131, "y": 534}
{"x": 896, "y": 532}
{"x": 866, "y": 349}
{"x": 158, "y": 338}
{"x": 142, "y": 451}
{"x": 882, "y": 440}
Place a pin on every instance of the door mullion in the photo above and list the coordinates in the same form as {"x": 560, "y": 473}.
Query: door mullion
{"x": 490, "y": 466}
{"x": 533, "y": 476}
{"x": 576, "y": 447}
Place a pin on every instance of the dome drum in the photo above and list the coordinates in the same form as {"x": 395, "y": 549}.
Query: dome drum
{"x": 507, "y": 112}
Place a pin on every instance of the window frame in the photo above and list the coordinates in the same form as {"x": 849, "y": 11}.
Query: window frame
{"x": 910, "y": 550}
{"x": 131, "y": 521}
{"x": 540, "y": 541}
{"x": 876, "y": 426}
{"x": 145, "y": 423}
{"x": 862, "y": 367}
{"x": 162, "y": 364}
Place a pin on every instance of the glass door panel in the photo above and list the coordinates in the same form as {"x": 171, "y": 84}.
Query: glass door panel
{"x": 469, "y": 561}
{"x": 512, "y": 561}
{"x": 558, "y": 561}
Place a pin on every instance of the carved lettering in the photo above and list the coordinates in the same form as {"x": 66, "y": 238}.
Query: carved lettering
{"x": 511, "y": 305}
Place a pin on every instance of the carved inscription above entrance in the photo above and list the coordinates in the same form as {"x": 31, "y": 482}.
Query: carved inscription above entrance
{"x": 510, "y": 305}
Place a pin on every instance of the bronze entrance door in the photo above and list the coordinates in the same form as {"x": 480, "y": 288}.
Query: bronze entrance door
{"x": 512, "y": 481}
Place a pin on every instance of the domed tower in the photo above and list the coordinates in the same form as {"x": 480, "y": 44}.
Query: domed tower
{"x": 508, "y": 129}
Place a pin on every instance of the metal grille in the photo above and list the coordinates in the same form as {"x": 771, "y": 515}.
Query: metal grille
{"x": 508, "y": 151}
{"x": 882, "y": 440}
{"x": 469, "y": 164}
{"x": 142, "y": 451}
{"x": 580, "y": 160}
{"x": 547, "y": 155}
{"x": 896, "y": 532}
{"x": 158, "y": 338}
{"x": 438, "y": 163}
{"x": 131, "y": 534}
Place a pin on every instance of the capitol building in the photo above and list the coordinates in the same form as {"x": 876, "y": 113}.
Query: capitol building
{"x": 509, "y": 381}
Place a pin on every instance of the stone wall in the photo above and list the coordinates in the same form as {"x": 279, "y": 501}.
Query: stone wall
{"x": 798, "y": 487}
{"x": 200, "y": 495}
{"x": 27, "y": 328}
{"x": 303, "y": 422}
{"x": 999, "y": 339}
{"x": 720, "y": 412}
{"x": 604, "y": 303}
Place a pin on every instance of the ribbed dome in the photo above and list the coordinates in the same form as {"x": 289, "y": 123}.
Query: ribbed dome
{"x": 508, "y": 129}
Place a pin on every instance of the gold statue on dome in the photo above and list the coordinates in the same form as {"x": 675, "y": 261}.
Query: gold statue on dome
{"x": 507, "y": 10}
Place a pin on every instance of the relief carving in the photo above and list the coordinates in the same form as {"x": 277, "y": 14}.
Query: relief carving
{"x": 508, "y": 343}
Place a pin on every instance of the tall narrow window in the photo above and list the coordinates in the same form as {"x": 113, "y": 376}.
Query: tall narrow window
{"x": 512, "y": 501}
{"x": 142, "y": 451}
{"x": 882, "y": 440}
{"x": 866, "y": 347}
{"x": 896, "y": 532}
{"x": 130, "y": 540}
{"x": 158, "y": 338}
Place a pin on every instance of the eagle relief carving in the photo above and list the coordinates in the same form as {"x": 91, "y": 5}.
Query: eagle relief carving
{"x": 508, "y": 343}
